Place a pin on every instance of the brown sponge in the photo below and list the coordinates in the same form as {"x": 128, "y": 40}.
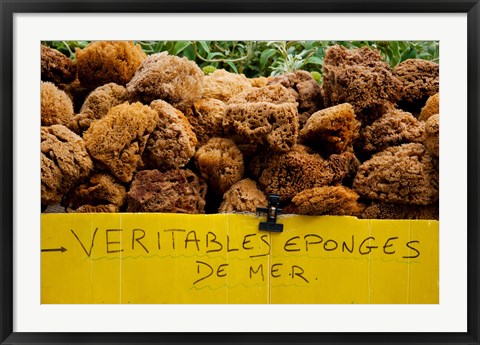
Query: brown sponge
{"x": 104, "y": 62}
{"x": 243, "y": 196}
{"x": 290, "y": 173}
{"x": 401, "y": 174}
{"x": 392, "y": 129}
{"x": 97, "y": 104}
{"x": 76, "y": 92}
{"x": 56, "y": 106}
{"x": 220, "y": 163}
{"x": 331, "y": 130}
{"x": 175, "y": 191}
{"x": 266, "y": 115}
{"x": 419, "y": 79}
{"x": 432, "y": 107}
{"x": 385, "y": 210}
{"x": 327, "y": 200}
{"x": 101, "y": 193}
{"x": 361, "y": 78}
{"x": 104, "y": 97}
{"x": 172, "y": 142}
{"x": 262, "y": 158}
{"x": 109, "y": 208}
{"x": 56, "y": 67}
{"x": 223, "y": 85}
{"x": 64, "y": 162}
{"x": 117, "y": 140}
{"x": 342, "y": 167}
{"x": 175, "y": 80}
{"x": 206, "y": 117}
{"x": 305, "y": 89}
{"x": 432, "y": 131}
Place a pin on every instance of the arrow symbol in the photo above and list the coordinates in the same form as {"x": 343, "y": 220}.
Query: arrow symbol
{"x": 61, "y": 249}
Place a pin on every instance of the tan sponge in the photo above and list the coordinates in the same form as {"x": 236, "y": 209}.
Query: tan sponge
{"x": 56, "y": 106}
{"x": 266, "y": 115}
{"x": 175, "y": 80}
{"x": 243, "y": 196}
{"x": 331, "y": 200}
{"x": 331, "y": 130}
{"x": 172, "y": 142}
{"x": 64, "y": 162}
{"x": 103, "y": 62}
{"x": 100, "y": 193}
{"x": 117, "y": 140}
{"x": 401, "y": 174}
{"x": 220, "y": 163}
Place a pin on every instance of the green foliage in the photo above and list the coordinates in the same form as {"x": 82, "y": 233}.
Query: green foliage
{"x": 265, "y": 58}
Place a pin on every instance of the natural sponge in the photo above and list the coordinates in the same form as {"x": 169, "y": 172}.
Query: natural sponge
{"x": 331, "y": 130}
{"x": 266, "y": 115}
{"x": 419, "y": 79}
{"x": 172, "y": 142}
{"x": 104, "y": 97}
{"x": 305, "y": 89}
{"x": 432, "y": 131}
{"x": 97, "y": 104}
{"x": 224, "y": 85}
{"x": 220, "y": 163}
{"x": 64, "y": 162}
{"x": 243, "y": 196}
{"x": 206, "y": 117}
{"x": 432, "y": 107}
{"x": 331, "y": 200}
{"x": 361, "y": 78}
{"x": 104, "y": 62}
{"x": 259, "y": 81}
{"x": 401, "y": 174}
{"x": 117, "y": 140}
{"x": 290, "y": 173}
{"x": 176, "y": 191}
{"x": 275, "y": 93}
{"x": 56, "y": 67}
{"x": 100, "y": 193}
{"x": 385, "y": 210}
{"x": 392, "y": 129}
{"x": 56, "y": 106}
{"x": 175, "y": 80}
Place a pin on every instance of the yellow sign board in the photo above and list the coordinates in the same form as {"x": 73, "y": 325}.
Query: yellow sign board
{"x": 224, "y": 258}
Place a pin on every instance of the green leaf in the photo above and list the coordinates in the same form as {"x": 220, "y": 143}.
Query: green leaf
{"x": 205, "y": 46}
{"x": 395, "y": 49}
{"x": 409, "y": 54}
{"x": 232, "y": 66}
{"x": 212, "y": 55}
{"x": 189, "y": 52}
{"x": 309, "y": 44}
{"x": 169, "y": 46}
{"x": 180, "y": 46}
{"x": 265, "y": 56}
{"x": 314, "y": 60}
{"x": 158, "y": 47}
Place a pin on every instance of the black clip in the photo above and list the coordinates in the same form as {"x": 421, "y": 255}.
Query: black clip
{"x": 272, "y": 212}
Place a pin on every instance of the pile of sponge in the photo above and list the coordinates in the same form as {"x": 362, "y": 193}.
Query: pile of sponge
{"x": 126, "y": 132}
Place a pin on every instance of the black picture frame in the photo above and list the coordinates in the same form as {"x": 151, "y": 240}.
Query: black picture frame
{"x": 10, "y": 7}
